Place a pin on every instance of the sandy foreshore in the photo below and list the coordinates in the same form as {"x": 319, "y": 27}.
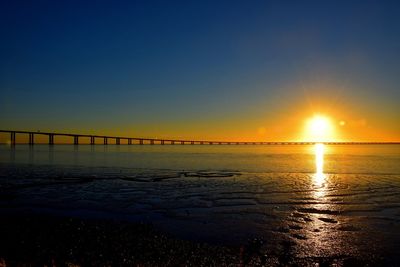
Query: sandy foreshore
{"x": 65, "y": 241}
{"x": 87, "y": 217}
{"x": 46, "y": 240}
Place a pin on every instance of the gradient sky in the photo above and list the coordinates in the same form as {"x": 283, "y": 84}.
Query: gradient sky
{"x": 237, "y": 70}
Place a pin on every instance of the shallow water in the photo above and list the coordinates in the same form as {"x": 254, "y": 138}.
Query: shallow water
{"x": 344, "y": 201}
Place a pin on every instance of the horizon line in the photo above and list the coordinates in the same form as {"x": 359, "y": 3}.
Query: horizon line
{"x": 182, "y": 141}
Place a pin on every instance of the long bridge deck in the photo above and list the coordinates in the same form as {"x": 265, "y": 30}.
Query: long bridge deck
{"x": 152, "y": 141}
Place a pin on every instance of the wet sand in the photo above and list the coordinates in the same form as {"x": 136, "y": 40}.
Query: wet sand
{"x": 99, "y": 217}
{"x": 42, "y": 240}
{"x": 66, "y": 241}
{"x": 196, "y": 206}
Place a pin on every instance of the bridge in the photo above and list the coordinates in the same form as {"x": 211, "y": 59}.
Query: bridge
{"x": 151, "y": 141}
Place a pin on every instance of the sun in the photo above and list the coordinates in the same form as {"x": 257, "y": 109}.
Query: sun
{"x": 319, "y": 129}
{"x": 319, "y": 126}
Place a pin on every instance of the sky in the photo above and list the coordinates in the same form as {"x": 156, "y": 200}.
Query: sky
{"x": 226, "y": 70}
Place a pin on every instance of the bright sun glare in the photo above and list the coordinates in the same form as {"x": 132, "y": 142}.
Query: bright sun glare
{"x": 319, "y": 176}
{"x": 319, "y": 128}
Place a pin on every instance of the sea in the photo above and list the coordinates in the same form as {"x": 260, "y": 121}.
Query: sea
{"x": 313, "y": 200}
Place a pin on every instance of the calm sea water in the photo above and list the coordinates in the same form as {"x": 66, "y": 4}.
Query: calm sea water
{"x": 331, "y": 201}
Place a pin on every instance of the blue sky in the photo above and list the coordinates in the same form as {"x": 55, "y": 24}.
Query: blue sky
{"x": 189, "y": 68}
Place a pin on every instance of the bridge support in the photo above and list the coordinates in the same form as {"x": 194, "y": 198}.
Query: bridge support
{"x": 31, "y": 139}
{"x": 152, "y": 141}
{"x": 51, "y": 139}
{"x": 12, "y": 137}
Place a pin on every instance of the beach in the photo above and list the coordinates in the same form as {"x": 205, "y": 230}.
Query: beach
{"x": 70, "y": 241}
{"x": 100, "y": 209}
{"x": 42, "y": 240}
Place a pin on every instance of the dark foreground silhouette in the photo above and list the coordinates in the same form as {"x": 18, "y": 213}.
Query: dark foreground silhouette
{"x": 38, "y": 240}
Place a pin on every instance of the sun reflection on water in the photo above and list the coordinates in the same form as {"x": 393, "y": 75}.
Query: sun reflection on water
{"x": 319, "y": 164}
{"x": 319, "y": 176}
{"x": 322, "y": 237}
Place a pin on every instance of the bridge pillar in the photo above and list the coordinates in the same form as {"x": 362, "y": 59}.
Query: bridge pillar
{"x": 105, "y": 140}
{"x": 192, "y": 142}
{"x": 76, "y": 140}
{"x": 51, "y": 139}
{"x": 152, "y": 142}
{"x": 117, "y": 141}
{"x": 162, "y": 142}
{"x": 182, "y": 142}
{"x": 12, "y": 137}
{"x": 141, "y": 141}
{"x": 129, "y": 141}
{"x": 31, "y": 139}
{"x": 172, "y": 142}
{"x": 92, "y": 140}
{"x": 201, "y": 143}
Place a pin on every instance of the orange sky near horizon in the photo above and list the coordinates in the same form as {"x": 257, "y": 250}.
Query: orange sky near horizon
{"x": 347, "y": 123}
{"x": 282, "y": 118}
